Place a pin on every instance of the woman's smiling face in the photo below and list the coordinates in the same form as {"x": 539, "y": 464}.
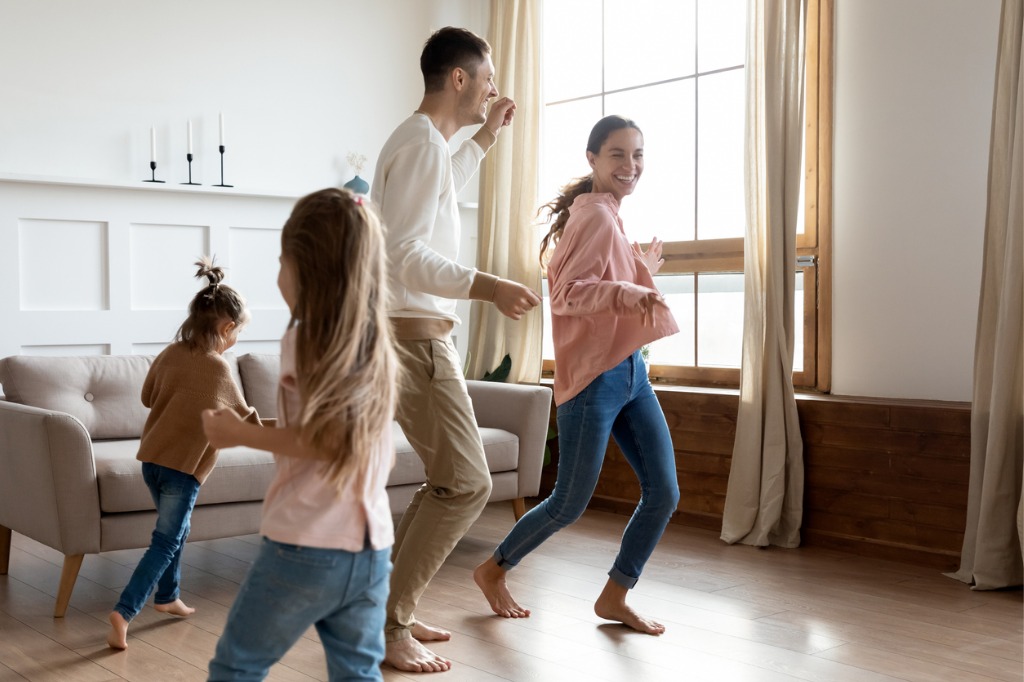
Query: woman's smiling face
{"x": 619, "y": 163}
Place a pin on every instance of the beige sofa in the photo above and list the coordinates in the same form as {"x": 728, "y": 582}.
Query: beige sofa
{"x": 69, "y": 430}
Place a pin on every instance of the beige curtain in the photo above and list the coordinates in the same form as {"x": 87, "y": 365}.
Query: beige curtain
{"x": 764, "y": 499}
{"x": 508, "y": 196}
{"x": 991, "y": 556}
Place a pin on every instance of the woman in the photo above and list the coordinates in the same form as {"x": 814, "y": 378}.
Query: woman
{"x": 604, "y": 308}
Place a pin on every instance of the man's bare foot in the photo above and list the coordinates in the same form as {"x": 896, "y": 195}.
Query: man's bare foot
{"x": 427, "y": 633}
{"x": 611, "y": 605}
{"x": 118, "y": 637}
{"x": 490, "y": 578}
{"x": 412, "y": 657}
{"x": 175, "y": 608}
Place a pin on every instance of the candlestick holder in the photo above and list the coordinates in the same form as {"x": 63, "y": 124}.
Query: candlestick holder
{"x": 189, "y": 157}
{"x": 221, "y": 148}
{"x": 152, "y": 169}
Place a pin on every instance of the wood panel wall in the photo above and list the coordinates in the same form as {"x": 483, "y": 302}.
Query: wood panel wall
{"x": 883, "y": 478}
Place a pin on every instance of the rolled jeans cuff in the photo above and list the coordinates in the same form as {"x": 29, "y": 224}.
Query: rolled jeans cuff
{"x": 621, "y": 578}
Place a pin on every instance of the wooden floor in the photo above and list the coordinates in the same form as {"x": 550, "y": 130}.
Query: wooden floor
{"x": 733, "y": 613}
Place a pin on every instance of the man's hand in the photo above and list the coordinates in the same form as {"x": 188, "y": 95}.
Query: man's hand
{"x": 500, "y": 114}
{"x": 513, "y": 299}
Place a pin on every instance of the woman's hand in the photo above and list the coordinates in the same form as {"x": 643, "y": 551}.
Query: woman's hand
{"x": 652, "y": 257}
{"x": 647, "y": 305}
{"x": 222, "y": 427}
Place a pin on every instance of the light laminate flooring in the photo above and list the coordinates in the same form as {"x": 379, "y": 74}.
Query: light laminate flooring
{"x": 732, "y": 613}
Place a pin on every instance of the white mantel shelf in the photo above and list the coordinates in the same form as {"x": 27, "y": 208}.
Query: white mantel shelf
{"x": 167, "y": 186}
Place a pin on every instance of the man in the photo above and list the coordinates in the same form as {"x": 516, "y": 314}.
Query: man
{"x": 415, "y": 187}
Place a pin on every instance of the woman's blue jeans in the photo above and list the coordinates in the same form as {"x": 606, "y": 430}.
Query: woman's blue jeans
{"x": 290, "y": 588}
{"x": 622, "y": 404}
{"x": 174, "y": 494}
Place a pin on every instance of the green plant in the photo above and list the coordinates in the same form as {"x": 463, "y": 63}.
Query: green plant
{"x": 501, "y": 372}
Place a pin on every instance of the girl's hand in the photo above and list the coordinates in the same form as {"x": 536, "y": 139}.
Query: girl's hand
{"x": 222, "y": 427}
{"x": 652, "y": 258}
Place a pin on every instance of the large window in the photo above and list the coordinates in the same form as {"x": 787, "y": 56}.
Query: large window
{"x": 676, "y": 67}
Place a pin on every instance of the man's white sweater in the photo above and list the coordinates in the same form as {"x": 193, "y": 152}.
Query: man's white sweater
{"x": 414, "y": 187}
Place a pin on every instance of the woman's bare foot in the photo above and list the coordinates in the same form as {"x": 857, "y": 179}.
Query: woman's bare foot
{"x": 427, "y": 633}
{"x": 118, "y": 637}
{"x": 412, "y": 657}
{"x": 611, "y": 605}
{"x": 175, "y": 608}
{"x": 490, "y": 578}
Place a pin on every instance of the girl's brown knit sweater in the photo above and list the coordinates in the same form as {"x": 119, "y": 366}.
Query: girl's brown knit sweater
{"x": 181, "y": 384}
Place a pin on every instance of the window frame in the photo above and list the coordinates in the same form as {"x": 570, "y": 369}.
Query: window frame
{"x": 815, "y": 243}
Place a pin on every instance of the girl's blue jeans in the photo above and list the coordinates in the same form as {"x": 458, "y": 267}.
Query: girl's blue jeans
{"x": 290, "y": 588}
{"x": 618, "y": 403}
{"x": 174, "y": 494}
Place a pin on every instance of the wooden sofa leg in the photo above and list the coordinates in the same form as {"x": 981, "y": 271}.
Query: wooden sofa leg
{"x": 5, "y": 549}
{"x": 519, "y": 507}
{"x": 68, "y": 576}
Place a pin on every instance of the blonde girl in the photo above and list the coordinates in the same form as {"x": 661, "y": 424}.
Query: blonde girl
{"x": 325, "y": 555}
{"x": 189, "y": 376}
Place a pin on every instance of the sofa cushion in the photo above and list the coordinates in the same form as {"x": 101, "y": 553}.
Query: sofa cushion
{"x": 101, "y": 391}
{"x": 260, "y": 374}
{"x": 241, "y": 475}
{"x": 501, "y": 449}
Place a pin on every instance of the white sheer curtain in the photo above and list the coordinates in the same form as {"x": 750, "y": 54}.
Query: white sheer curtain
{"x": 764, "y": 499}
{"x": 508, "y": 196}
{"x": 991, "y": 557}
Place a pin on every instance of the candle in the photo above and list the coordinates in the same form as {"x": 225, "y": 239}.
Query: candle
{"x": 152, "y": 144}
{"x": 222, "y": 129}
{"x": 190, "y": 137}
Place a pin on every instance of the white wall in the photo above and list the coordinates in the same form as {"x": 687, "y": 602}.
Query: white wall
{"x": 300, "y": 84}
{"x": 913, "y": 107}
{"x": 88, "y": 270}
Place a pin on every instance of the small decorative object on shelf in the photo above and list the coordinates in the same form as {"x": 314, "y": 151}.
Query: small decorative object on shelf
{"x": 152, "y": 156}
{"x": 221, "y": 148}
{"x": 357, "y": 184}
{"x": 189, "y": 156}
{"x": 152, "y": 168}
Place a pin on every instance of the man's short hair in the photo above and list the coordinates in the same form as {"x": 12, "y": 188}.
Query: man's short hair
{"x": 446, "y": 49}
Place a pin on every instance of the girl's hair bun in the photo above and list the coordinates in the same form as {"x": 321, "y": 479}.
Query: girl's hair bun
{"x": 213, "y": 273}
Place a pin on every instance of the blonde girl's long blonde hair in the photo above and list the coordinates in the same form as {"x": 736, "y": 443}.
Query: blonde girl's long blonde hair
{"x": 558, "y": 208}
{"x": 346, "y": 363}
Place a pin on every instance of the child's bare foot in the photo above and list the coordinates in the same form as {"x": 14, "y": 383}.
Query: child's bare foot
{"x": 175, "y": 608}
{"x": 427, "y": 633}
{"x": 118, "y": 637}
{"x": 411, "y": 656}
{"x": 611, "y": 605}
{"x": 490, "y": 578}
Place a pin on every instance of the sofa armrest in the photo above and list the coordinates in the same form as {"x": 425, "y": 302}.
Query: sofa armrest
{"x": 48, "y": 487}
{"x": 522, "y": 409}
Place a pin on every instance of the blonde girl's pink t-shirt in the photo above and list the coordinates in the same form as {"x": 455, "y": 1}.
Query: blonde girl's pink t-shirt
{"x": 302, "y": 507}
{"x": 596, "y": 281}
